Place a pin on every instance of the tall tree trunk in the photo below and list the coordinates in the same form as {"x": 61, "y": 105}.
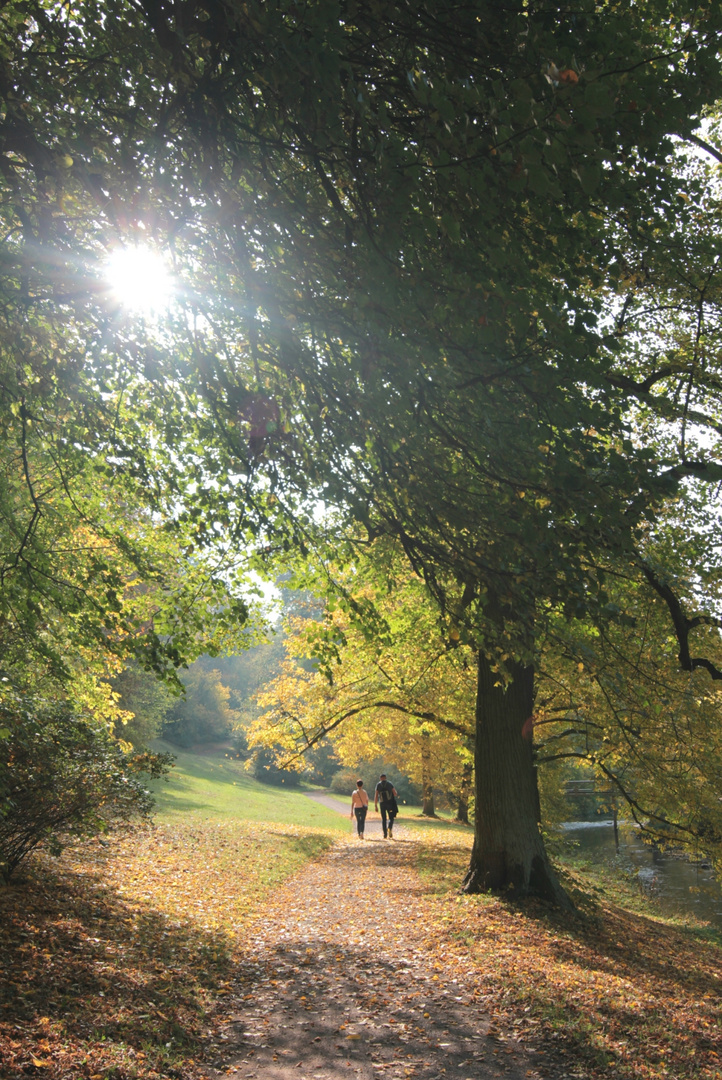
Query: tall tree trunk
{"x": 462, "y": 812}
{"x": 428, "y": 809}
{"x": 508, "y": 852}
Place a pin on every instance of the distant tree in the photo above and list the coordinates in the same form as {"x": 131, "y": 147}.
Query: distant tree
{"x": 321, "y": 763}
{"x": 265, "y": 768}
{"x": 144, "y": 701}
{"x": 204, "y": 713}
{"x": 245, "y": 673}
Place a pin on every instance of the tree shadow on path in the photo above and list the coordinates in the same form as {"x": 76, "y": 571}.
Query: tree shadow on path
{"x": 344, "y": 980}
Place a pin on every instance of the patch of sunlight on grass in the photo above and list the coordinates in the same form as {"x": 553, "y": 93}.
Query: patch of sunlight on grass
{"x": 217, "y": 786}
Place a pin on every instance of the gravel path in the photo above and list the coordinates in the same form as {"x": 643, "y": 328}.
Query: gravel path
{"x": 343, "y": 980}
{"x": 343, "y": 806}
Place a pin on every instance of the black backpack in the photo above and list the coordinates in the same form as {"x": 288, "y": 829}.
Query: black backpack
{"x": 386, "y": 792}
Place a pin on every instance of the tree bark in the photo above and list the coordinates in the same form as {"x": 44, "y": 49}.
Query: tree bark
{"x": 428, "y": 809}
{"x": 508, "y": 853}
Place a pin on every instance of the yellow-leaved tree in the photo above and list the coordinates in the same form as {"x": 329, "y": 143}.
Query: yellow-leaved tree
{"x": 387, "y": 685}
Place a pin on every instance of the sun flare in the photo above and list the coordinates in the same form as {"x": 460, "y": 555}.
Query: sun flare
{"x": 139, "y": 279}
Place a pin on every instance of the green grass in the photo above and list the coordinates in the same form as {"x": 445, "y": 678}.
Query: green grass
{"x": 219, "y": 787}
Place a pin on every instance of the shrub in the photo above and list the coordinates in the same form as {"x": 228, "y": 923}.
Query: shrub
{"x": 62, "y": 775}
{"x": 343, "y": 782}
{"x": 266, "y": 770}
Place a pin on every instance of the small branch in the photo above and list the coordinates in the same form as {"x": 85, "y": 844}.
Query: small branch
{"x": 564, "y": 734}
{"x": 559, "y": 757}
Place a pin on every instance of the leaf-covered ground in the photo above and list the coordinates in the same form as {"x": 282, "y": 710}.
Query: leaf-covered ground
{"x": 606, "y": 991}
{"x": 345, "y": 977}
{"x": 213, "y": 948}
{"x": 114, "y": 962}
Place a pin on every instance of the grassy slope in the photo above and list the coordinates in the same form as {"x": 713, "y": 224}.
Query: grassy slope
{"x": 219, "y": 787}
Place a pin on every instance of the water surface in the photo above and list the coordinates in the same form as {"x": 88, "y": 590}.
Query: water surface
{"x": 678, "y": 886}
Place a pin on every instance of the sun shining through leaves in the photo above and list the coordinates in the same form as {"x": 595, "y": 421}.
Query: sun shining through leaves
{"x": 139, "y": 279}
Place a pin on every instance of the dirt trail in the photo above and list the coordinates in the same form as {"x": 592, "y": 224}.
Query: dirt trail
{"x": 342, "y": 980}
{"x": 372, "y": 826}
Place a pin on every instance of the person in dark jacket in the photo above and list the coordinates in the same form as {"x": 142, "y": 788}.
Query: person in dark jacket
{"x": 385, "y": 797}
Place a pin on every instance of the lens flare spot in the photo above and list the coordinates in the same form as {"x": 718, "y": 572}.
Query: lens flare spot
{"x": 139, "y": 279}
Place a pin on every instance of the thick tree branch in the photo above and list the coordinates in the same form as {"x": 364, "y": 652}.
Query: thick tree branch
{"x": 662, "y": 404}
{"x": 711, "y": 471}
{"x": 711, "y": 150}
{"x": 393, "y": 705}
{"x": 683, "y": 625}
